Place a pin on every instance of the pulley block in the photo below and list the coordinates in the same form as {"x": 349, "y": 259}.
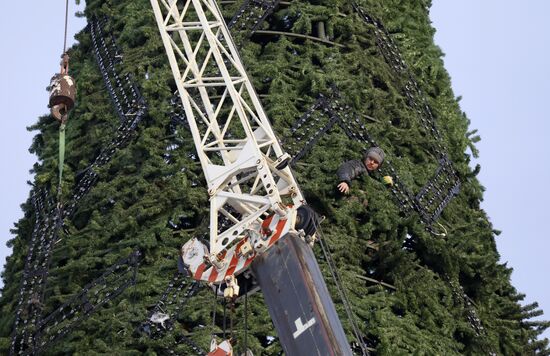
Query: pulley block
{"x": 62, "y": 91}
{"x": 62, "y": 95}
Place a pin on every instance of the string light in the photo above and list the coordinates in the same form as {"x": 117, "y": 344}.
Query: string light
{"x": 47, "y": 221}
{"x": 434, "y": 196}
{"x": 131, "y": 108}
{"x": 108, "y": 286}
{"x": 130, "y": 112}
{"x": 174, "y": 297}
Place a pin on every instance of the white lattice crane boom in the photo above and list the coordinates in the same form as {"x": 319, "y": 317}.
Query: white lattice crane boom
{"x": 237, "y": 148}
{"x": 256, "y": 207}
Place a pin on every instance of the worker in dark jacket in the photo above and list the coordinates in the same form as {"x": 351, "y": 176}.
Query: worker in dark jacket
{"x": 350, "y": 170}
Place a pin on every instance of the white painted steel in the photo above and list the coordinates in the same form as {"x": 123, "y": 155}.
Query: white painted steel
{"x": 233, "y": 137}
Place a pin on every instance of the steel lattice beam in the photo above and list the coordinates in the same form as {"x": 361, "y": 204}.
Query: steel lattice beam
{"x": 235, "y": 143}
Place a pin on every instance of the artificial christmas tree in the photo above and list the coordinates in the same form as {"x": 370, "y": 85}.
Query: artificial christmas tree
{"x": 416, "y": 260}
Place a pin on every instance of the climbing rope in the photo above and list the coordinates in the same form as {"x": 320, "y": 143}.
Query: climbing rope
{"x": 246, "y": 319}
{"x": 214, "y": 313}
{"x": 231, "y": 316}
{"x": 224, "y": 319}
{"x": 226, "y": 303}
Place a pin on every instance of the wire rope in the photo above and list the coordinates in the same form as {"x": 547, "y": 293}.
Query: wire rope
{"x": 339, "y": 286}
{"x": 246, "y": 320}
{"x": 66, "y": 22}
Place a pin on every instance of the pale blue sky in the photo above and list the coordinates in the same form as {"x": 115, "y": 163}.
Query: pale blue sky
{"x": 496, "y": 52}
{"x": 31, "y": 42}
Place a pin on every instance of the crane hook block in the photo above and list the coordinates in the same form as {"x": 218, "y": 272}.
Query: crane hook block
{"x": 232, "y": 287}
{"x": 62, "y": 95}
{"x": 62, "y": 91}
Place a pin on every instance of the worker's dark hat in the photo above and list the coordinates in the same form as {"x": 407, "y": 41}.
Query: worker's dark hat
{"x": 375, "y": 153}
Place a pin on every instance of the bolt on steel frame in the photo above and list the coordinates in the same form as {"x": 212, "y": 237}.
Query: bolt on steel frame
{"x": 236, "y": 145}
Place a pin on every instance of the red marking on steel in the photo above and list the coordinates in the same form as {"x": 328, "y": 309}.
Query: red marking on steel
{"x": 218, "y": 352}
{"x": 265, "y": 225}
{"x": 235, "y": 258}
{"x": 199, "y": 271}
{"x": 213, "y": 275}
{"x": 232, "y": 265}
{"x": 248, "y": 261}
{"x": 267, "y": 221}
{"x": 280, "y": 226}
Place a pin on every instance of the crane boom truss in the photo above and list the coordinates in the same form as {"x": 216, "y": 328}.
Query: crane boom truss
{"x": 237, "y": 147}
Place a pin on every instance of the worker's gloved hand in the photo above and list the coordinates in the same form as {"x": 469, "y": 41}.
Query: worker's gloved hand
{"x": 343, "y": 187}
{"x": 388, "y": 180}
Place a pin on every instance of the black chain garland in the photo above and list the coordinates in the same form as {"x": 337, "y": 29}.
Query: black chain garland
{"x": 161, "y": 318}
{"x": 177, "y": 120}
{"x": 444, "y": 184}
{"x": 308, "y": 130}
{"x": 108, "y": 286}
{"x": 124, "y": 93}
{"x": 130, "y": 111}
{"x": 413, "y": 92}
{"x": 250, "y": 17}
{"x": 31, "y": 294}
{"x": 131, "y": 108}
{"x": 433, "y": 197}
{"x": 29, "y": 326}
{"x": 461, "y": 297}
{"x": 438, "y": 191}
{"x": 20, "y": 332}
